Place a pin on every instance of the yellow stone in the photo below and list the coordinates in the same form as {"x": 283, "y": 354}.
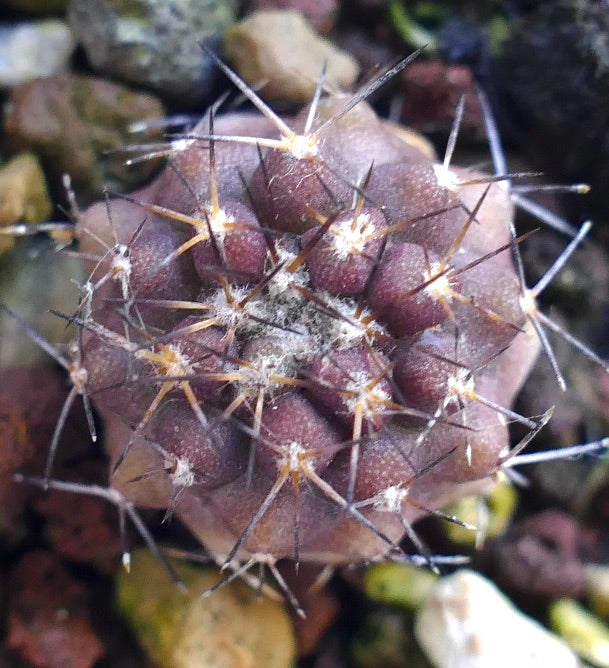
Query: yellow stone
{"x": 234, "y": 627}
{"x": 23, "y": 194}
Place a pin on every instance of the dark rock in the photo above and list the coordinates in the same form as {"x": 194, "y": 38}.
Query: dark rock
{"x": 48, "y": 618}
{"x": 431, "y": 94}
{"x": 542, "y": 557}
{"x": 29, "y": 403}
{"x": 38, "y": 6}
{"x": 554, "y": 73}
{"x": 84, "y": 532}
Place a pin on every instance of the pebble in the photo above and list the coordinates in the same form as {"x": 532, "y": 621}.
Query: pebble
{"x": 597, "y": 588}
{"x": 281, "y": 47}
{"x": 398, "y": 584}
{"x": 29, "y": 401}
{"x": 233, "y": 627}
{"x": 321, "y": 14}
{"x": 154, "y": 44}
{"x": 49, "y": 619}
{"x": 34, "y": 49}
{"x": 85, "y": 532}
{"x": 33, "y": 263}
{"x": 384, "y": 639}
{"x": 431, "y": 94}
{"x": 491, "y": 514}
{"x": 466, "y": 622}
{"x": 23, "y": 194}
{"x": 542, "y": 556}
{"x": 69, "y": 121}
{"x": 584, "y": 632}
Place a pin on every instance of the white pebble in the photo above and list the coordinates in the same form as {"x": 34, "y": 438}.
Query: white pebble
{"x": 32, "y": 50}
{"x": 466, "y": 622}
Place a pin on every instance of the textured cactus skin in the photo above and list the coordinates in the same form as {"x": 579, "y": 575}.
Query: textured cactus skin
{"x": 346, "y": 380}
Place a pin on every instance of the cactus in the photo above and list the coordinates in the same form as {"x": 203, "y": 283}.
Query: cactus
{"x": 306, "y": 333}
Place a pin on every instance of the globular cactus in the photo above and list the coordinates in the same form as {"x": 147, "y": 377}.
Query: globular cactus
{"x": 306, "y": 334}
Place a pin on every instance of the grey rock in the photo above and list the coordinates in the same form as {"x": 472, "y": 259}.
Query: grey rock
{"x": 153, "y": 43}
{"x": 34, "y": 49}
{"x": 33, "y": 279}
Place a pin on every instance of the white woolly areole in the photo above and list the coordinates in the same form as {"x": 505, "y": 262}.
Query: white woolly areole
{"x": 460, "y": 384}
{"x": 121, "y": 265}
{"x": 348, "y": 327}
{"x": 78, "y": 377}
{"x": 228, "y": 311}
{"x": 390, "y": 500}
{"x": 267, "y": 364}
{"x": 293, "y": 454}
{"x": 282, "y": 283}
{"x": 219, "y": 221}
{"x": 441, "y": 284}
{"x": 179, "y": 145}
{"x": 302, "y": 146}
{"x": 182, "y": 474}
{"x": 350, "y": 236}
{"x": 446, "y": 178}
{"x": 368, "y": 399}
{"x": 528, "y": 303}
{"x": 180, "y": 365}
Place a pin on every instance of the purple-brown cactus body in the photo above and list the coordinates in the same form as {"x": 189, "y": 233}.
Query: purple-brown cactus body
{"x": 315, "y": 365}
